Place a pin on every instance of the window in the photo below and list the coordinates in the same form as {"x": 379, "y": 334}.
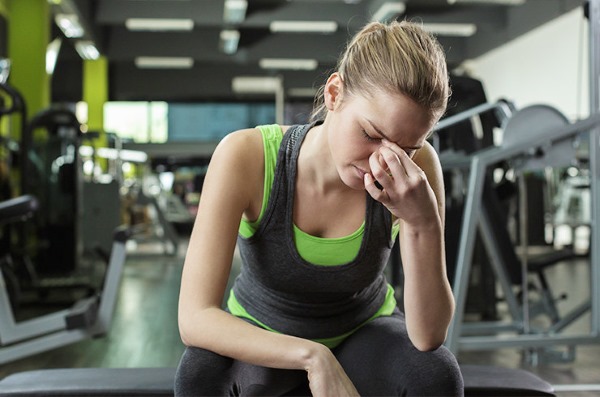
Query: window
{"x": 141, "y": 122}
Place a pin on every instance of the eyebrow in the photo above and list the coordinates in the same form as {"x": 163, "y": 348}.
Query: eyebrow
{"x": 386, "y": 137}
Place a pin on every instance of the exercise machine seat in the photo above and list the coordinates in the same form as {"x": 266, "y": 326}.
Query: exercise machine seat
{"x": 480, "y": 380}
{"x": 492, "y": 381}
{"x": 79, "y": 382}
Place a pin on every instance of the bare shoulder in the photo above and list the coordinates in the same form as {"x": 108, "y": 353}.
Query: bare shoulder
{"x": 239, "y": 159}
{"x": 427, "y": 159}
{"x": 240, "y": 142}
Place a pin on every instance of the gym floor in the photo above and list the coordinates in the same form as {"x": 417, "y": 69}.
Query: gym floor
{"x": 144, "y": 330}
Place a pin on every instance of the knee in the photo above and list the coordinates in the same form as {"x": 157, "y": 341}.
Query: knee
{"x": 436, "y": 373}
{"x": 201, "y": 372}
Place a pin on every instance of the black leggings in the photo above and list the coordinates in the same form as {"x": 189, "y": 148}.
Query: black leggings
{"x": 378, "y": 358}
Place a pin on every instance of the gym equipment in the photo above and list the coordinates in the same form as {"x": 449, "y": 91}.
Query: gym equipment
{"x": 87, "y": 318}
{"x": 53, "y": 175}
{"x": 479, "y": 380}
{"x": 536, "y": 136}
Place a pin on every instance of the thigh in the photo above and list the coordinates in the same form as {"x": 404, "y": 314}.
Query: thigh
{"x": 381, "y": 360}
{"x": 204, "y": 373}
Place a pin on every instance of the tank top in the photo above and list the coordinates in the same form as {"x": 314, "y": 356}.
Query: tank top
{"x": 279, "y": 289}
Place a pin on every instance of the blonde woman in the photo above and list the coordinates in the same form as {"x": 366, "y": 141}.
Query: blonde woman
{"x": 314, "y": 210}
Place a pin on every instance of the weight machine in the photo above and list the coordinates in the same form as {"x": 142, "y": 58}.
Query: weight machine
{"x": 537, "y": 136}
{"x": 88, "y": 317}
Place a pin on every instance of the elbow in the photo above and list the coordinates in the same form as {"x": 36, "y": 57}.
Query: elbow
{"x": 189, "y": 331}
{"x": 192, "y": 327}
{"x": 427, "y": 343}
{"x": 184, "y": 333}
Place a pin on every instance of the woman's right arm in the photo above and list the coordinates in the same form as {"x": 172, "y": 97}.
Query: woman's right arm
{"x": 230, "y": 188}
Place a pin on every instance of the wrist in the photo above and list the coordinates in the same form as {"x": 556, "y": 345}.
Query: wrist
{"x": 425, "y": 226}
{"x": 315, "y": 356}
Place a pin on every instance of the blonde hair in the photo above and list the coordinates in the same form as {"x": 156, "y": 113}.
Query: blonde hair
{"x": 397, "y": 57}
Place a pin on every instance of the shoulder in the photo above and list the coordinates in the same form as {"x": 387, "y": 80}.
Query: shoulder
{"x": 427, "y": 159}
{"x": 240, "y": 141}
{"x": 238, "y": 155}
{"x": 244, "y": 146}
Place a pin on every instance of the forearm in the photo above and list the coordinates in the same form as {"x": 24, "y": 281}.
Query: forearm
{"x": 215, "y": 330}
{"x": 428, "y": 299}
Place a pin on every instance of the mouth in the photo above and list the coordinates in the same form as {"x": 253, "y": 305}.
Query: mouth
{"x": 361, "y": 173}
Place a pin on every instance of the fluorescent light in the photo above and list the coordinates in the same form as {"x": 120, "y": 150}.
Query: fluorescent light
{"x": 388, "y": 10}
{"x": 303, "y": 26}
{"x": 255, "y": 85}
{"x": 164, "y": 62}
{"x": 451, "y": 29}
{"x": 302, "y": 92}
{"x": 69, "y": 24}
{"x": 52, "y": 54}
{"x": 134, "y": 156}
{"x": 235, "y": 11}
{"x": 285, "y": 63}
{"x": 159, "y": 24}
{"x": 87, "y": 50}
{"x": 229, "y": 40}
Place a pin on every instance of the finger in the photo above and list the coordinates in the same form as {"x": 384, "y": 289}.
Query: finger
{"x": 405, "y": 160}
{"x": 396, "y": 169}
{"x": 373, "y": 190}
{"x": 378, "y": 171}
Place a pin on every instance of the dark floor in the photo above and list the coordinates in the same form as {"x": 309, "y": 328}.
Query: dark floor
{"x": 144, "y": 330}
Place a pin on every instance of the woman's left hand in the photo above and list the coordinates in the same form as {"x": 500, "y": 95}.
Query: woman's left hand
{"x": 405, "y": 191}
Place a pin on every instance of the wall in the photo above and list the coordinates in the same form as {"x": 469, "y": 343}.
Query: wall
{"x": 547, "y": 65}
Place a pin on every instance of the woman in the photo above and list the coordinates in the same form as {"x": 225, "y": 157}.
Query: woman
{"x": 311, "y": 302}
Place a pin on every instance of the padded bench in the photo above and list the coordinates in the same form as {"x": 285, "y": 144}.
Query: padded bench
{"x": 480, "y": 380}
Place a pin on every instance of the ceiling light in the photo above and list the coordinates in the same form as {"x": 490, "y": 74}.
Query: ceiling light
{"x": 235, "y": 11}
{"x": 159, "y": 24}
{"x": 451, "y": 29}
{"x": 52, "y": 54}
{"x": 388, "y": 10}
{"x": 303, "y": 26}
{"x": 69, "y": 24}
{"x": 255, "y": 85}
{"x": 285, "y": 63}
{"x": 229, "y": 40}
{"x": 302, "y": 92}
{"x": 87, "y": 50}
{"x": 164, "y": 62}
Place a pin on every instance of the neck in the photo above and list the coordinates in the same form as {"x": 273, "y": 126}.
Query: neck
{"x": 315, "y": 165}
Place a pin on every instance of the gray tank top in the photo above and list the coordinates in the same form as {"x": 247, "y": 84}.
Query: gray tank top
{"x": 283, "y": 291}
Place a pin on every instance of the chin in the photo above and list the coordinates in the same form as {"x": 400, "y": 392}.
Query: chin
{"x": 354, "y": 183}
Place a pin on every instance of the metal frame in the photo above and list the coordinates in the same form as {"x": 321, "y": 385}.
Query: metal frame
{"x": 594, "y": 18}
{"x": 22, "y": 339}
{"x": 473, "y": 218}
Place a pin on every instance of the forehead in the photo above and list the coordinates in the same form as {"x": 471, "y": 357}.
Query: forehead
{"x": 400, "y": 118}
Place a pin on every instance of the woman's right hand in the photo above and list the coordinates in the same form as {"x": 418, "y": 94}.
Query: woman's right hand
{"x": 327, "y": 378}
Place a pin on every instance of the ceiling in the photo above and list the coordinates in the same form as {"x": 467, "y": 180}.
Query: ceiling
{"x": 209, "y": 71}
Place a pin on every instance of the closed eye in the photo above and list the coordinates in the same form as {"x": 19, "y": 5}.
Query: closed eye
{"x": 369, "y": 138}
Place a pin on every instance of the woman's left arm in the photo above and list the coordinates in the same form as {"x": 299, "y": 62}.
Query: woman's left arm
{"x": 413, "y": 191}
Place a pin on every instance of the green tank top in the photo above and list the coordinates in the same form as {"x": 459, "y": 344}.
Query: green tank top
{"x": 316, "y": 250}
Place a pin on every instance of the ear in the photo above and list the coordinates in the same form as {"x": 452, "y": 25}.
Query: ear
{"x": 333, "y": 91}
